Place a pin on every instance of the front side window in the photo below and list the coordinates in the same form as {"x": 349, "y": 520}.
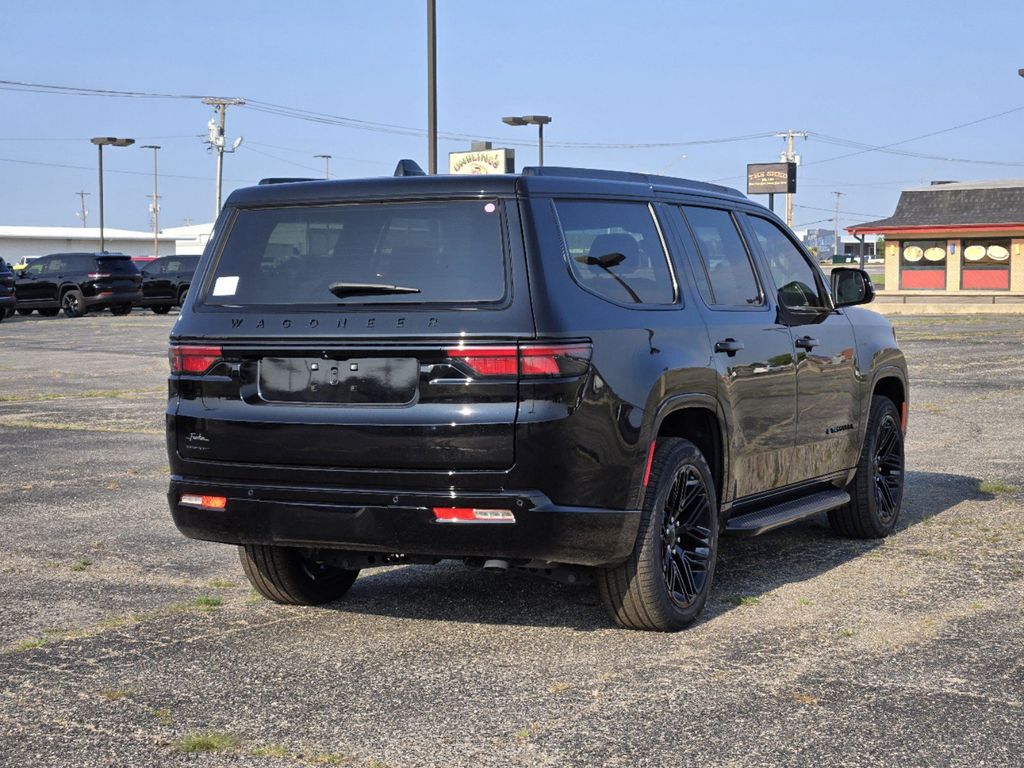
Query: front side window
{"x": 365, "y": 253}
{"x": 923, "y": 264}
{"x": 794, "y": 277}
{"x": 986, "y": 264}
{"x": 723, "y": 256}
{"x": 615, "y": 251}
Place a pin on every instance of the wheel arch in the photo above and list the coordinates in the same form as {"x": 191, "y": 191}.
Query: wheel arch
{"x": 891, "y": 383}
{"x": 699, "y": 419}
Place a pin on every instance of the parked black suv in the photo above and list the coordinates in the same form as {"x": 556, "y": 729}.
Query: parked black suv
{"x": 550, "y": 370}
{"x": 6, "y": 290}
{"x": 165, "y": 282}
{"x": 78, "y": 283}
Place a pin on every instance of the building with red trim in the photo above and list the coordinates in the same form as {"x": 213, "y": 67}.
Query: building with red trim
{"x": 953, "y": 237}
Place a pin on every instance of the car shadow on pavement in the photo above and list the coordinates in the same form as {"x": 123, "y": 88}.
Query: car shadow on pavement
{"x": 748, "y": 568}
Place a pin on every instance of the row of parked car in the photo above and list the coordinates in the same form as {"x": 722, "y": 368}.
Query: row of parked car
{"x": 78, "y": 283}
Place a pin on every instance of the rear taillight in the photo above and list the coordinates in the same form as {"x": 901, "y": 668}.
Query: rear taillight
{"x": 98, "y": 275}
{"x": 185, "y": 359}
{"x": 203, "y": 502}
{"x": 473, "y": 515}
{"x": 528, "y": 361}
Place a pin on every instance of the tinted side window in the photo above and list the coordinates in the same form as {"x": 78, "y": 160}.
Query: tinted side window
{"x": 730, "y": 274}
{"x": 794, "y": 277}
{"x": 615, "y": 251}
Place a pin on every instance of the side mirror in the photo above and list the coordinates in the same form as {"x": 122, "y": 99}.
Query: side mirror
{"x": 851, "y": 286}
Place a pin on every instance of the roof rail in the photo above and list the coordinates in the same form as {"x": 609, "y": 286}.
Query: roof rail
{"x": 662, "y": 182}
{"x": 283, "y": 180}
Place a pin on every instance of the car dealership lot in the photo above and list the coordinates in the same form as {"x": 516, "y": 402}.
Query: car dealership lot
{"x": 121, "y": 642}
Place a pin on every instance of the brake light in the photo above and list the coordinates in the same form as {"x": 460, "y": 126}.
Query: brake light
{"x": 98, "y": 275}
{"x": 527, "y": 361}
{"x": 472, "y": 515}
{"x": 203, "y": 502}
{"x": 186, "y": 359}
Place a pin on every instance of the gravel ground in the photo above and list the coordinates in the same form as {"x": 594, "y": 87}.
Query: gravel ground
{"x": 123, "y": 643}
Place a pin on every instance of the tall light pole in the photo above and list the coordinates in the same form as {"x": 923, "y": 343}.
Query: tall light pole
{"x": 216, "y": 141}
{"x": 101, "y": 142}
{"x": 84, "y": 215}
{"x": 156, "y": 200}
{"x": 431, "y": 86}
{"x": 540, "y": 121}
{"x": 327, "y": 165}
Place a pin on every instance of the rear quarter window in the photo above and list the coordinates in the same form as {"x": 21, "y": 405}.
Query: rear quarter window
{"x": 449, "y": 251}
{"x": 615, "y": 251}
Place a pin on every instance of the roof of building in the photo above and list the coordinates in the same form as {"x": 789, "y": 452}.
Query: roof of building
{"x": 77, "y": 233}
{"x": 953, "y": 205}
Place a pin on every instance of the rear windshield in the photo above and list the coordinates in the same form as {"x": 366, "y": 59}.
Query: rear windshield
{"x": 116, "y": 265}
{"x": 448, "y": 252}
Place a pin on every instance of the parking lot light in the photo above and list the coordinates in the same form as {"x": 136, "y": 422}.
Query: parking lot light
{"x": 540, "y": 121}
{"x": 101, "y": 142}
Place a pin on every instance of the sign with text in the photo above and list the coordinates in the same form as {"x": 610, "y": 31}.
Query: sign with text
{"x": 482, "y": 161}
{"x": 771, "y": 178}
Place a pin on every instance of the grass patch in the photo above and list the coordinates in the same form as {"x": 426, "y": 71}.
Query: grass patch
{"x": 116, "y": 694}
{"x": 81, "y": 564}
{"x": 163, "y": 716}
{"x": 742, "y": 600}
{"x": 108, "y": 393}
{"x": 207, "y": 603}
{"x": 220, "y": 584}
{"x": 66, "y": 427}
{"x": 334, "y": 758}
{"x": 996, "y": 488}
{"x": 847, "y": 633}
{"x": 206, "y": 741}
{"x": 29, "y": 643}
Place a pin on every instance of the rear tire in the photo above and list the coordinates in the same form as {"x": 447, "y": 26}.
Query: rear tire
{"x": 121, "y": 309}
{"x": 876, "y": 493}
{"x": 51, "y": 312}
{"x": 285, "y": 575}
{"x": 161, "y": 310}
{"x": 24, "y": 312}
{"x": 73, "y": 304}
{"x": 665, "y": 583}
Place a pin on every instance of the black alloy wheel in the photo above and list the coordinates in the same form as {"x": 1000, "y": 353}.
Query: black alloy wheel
{"x": 72, "y": 304}
{"x": 876, "y": 492}
{"x": 665, "y": 583}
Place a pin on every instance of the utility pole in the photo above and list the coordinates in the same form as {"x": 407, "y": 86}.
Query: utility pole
{"x": 216, "y": 140}
{"x": 432, "y": 86}
{"x": 790, "y": 157}
{"x": 327, "y": 165}
{"x": 84, "y": 215}
{"x": 835, "y": 247}
{"x": 156, "y": 201}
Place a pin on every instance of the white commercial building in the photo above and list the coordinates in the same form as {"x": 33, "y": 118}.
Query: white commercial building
{"x": 18, "y": 242}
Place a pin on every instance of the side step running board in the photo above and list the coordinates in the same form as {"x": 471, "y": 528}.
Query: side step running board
{"x": 778, "y": 515}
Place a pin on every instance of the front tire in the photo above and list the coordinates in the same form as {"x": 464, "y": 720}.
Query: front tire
{"x": 665, "y": 583}
{"x": 162, "y": 309}
{"x": 876, "y": 493}
{"x": 121, "y": 309}
{"x": 285, "y": 575}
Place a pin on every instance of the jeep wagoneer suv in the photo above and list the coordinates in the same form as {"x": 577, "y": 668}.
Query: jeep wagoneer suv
{"x": 578, "y": 372}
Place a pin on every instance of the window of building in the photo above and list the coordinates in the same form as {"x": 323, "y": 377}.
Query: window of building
{"x": 728, "y": 278}
{"x": 923, "y": 264}
{"x": 615, "y": 251}
{"x": 985, "y": 264}
{"x": 794, "y": 277}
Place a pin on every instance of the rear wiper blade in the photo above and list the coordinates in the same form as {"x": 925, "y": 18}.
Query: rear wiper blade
{"x": 341, "y": 290}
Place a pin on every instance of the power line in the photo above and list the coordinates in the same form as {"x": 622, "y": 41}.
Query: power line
{"x": 112, "y": 170}
{"x": 854, "y": 213}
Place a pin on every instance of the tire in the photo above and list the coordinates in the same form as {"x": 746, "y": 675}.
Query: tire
{"x": 285, "y": 575}
{"x": 876, "y": 493}
{"x": 50, "y": 312}
{"x": 121, "y": 309}
{"x": 24, "y": 312}
{"x": 646, "y": 592}
{"x": 182, "y": 295}
{"x": 73, "y": 304}
{"x": 161, "y": 310}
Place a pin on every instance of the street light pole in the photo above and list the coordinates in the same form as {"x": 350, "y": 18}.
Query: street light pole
{"x": 101, "y": 142}
{"x": 156, "y": 203}
{"x": 540, "y": 121}
{"x": 432, "y": 86}
{"x": 216, "y": 140}
{"x": 327, "y": 165}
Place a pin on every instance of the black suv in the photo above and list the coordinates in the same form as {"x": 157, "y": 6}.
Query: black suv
{"x": 570, "y": 371}
{"x": 6, "y": 290}
{"x": 165, "y": 282}
{"x": 78, "y": 283}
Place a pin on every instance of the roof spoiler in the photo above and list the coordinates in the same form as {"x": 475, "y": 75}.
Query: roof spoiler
{"x": 283, "y": 180}
{"x": 408, "y": 168}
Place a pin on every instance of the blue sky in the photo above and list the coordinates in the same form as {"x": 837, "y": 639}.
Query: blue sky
{"x": 608, "y": 72}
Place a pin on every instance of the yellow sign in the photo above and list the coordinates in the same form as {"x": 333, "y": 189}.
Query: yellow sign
{"x": 482, "y": 161}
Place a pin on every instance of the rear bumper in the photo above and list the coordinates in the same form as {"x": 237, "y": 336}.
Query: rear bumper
{"x": 112, "y": 298}
{"x": 403, "y": 522}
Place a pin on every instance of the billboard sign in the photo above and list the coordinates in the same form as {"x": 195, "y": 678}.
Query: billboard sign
{"x": 482, "y": 161}
{"x": 771, "y": 178}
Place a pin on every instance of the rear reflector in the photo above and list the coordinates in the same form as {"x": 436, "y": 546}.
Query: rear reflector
{"x": 535, "y": 360}
{"x": 192, "y": 359}
{"x": 650, "y": 463}
{"x": 203, "y": 502}
{"x": 472, "y": 515}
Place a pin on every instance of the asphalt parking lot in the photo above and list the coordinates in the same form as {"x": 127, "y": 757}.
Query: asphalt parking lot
{"x": 122, "y": 643}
